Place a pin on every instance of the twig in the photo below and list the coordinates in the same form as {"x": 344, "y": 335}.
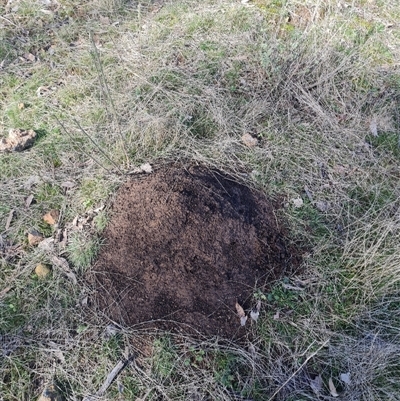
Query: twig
{"x": 6, "y": 19}
{"x": 98, "y": 147}
{"x": 106, "y": 90}
{"x": 9, "y": 219}
{"x": 298, "y": 370}
{"x": 109, "y": 379}
{"x": 87, "y": 154}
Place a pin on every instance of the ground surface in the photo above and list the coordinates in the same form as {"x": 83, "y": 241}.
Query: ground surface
{"x": 183, "y": 246}
{"x": 111, "y": 85}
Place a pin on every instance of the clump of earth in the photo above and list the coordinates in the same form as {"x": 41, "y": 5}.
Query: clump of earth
{"x": 183, "y": 246}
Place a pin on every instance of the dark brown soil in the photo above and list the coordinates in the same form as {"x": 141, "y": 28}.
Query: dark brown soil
{"x": 182, "y": 246}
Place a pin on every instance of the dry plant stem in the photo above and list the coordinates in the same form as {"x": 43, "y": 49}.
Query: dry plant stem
{"x": 84, "y": 152}
{"x": 97, "y": 146}
{"x": 103, "y": 81}
{"x": 299, "y": 369}
{"x": 107, "y": 383}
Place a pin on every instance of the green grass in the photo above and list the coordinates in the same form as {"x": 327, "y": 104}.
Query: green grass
{"x": 114, "y": 85}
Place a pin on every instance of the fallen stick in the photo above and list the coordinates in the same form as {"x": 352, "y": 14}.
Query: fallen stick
{"x": 107, "y": 383}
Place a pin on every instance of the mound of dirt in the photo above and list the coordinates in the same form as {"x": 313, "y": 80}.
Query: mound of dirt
{"x": 182, "y": 247}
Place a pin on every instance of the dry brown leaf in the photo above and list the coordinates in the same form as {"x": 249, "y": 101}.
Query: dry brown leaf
{"x": 373, "y": 127}
{"x": 316, "y": 384}
{"x": 64, "y": 266}
{"x": 332, "y": 388}
{"x": 146, "y": 168}
{"x": 249, "y": 141}
{"x": 342, "y": 170}
{"x": 345, "y": 377}
{"x": 51, "y": 217}
{"x": 252, "y": 350}
{"x": 29, "y": 200}
{"x": 291, "y": 287}
{"x": 322, "y": 206}
{"x": 64, "y": 240}
{"x": 47, "y": 245}
{"x": 241, "y": 314}
{"x": 32, "y": 180}
{"x": 309, "y": 194}
{"x": 9, "y": 219}
{"x": 104, "y": 20}
{"x": 29, "y": 57}
{"x": 255, "y": 312}
{"x": 297, "y": 202}
{"x": 34, "y": 238}
{"x": 68, "y": 184}
{"x": 42, "y": 270}
{"x": 42, "y": 91}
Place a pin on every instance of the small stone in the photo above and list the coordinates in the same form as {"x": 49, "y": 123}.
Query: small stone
{"x": 249, "y": 141}
{"x": 42, "y": 270}
{"x": 51, "y": 217}
{"x": 34, "y": 238}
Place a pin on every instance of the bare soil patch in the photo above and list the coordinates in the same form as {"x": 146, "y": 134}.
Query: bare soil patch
{"x": 182, "y": 246}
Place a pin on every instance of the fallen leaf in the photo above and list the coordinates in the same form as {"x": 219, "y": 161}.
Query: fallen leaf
{"x": 297, "y": 202}
{"x": 316, "y": 384}
{"x": 9, "y": 219}
{"x": 47, "y": 245}
{"x": 29, "y": 57}
{"x": 64, "y": 266}
{"x": 17, "y": 140}
{"x": 29, "y": 200}
{"x": 309, "y": 194}
{"x": 276, "y": 316}
{"x": 342, "y": 170}
{"x": 48, "y": 12}
{"x": 68, "y": 184}
{"x": 252, "y": 350}
{"x": 64, "y": 240}
{"x": 51, "y": 217}
{"x": 291, "y": 287}
{"x": 32, "y": 180}
{"x": 332, "y": 388}
{"x": 373, "y": 127}
{"x": 345, "y": 377}
{"x": 110, "y": 331}
{"x": 58, "y": 354}
{"x": 249, "y": 141}
{"x": 104, "y": 20}
{"x": 146, "y": 168}
{"x": 241, "y": 314}
{"x": 42, "y": 90}
{"x": 322, "y": 206}
{"x": 255, "y": 312}
{"x": 75, "y": 221}
{"x": 34, "y": 238}
{"x": 42, "y": 270}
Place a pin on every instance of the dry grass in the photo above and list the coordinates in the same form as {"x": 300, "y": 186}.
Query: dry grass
{"x": 125, "y": 84}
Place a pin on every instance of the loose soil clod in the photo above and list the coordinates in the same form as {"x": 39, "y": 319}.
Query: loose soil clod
{"x": 182, "y": 246}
